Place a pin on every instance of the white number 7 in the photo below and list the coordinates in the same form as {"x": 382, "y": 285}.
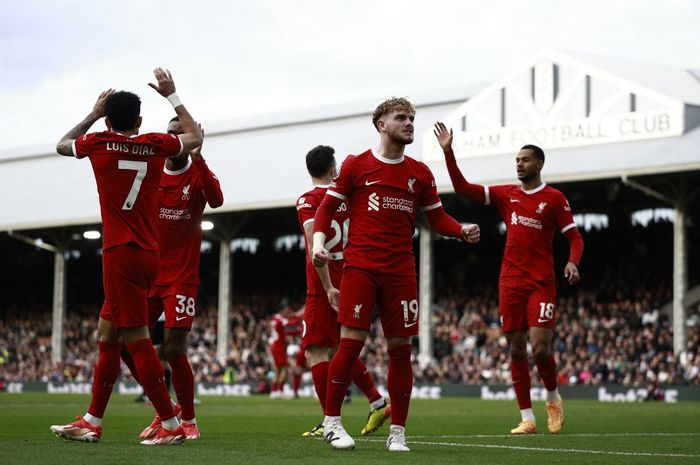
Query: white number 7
{"x": 140, "y": 167}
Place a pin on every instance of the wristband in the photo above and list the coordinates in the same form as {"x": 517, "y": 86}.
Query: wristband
{"x": 319, "y": 241}
{"x": 174, "y": 100}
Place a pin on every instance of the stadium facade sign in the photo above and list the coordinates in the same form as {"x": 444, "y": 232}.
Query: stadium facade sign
{"x": 557, "y": 101}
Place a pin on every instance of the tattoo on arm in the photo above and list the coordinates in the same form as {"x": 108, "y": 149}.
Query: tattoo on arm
{"x": 65, "y": 145}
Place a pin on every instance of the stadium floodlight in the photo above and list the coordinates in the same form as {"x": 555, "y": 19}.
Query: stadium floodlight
{"x": 207, "y": 225}
{"x": 92, "y": 234}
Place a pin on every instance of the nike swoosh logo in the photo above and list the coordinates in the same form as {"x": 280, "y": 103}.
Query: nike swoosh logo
{"x": 368, "y": 183}
{"x": 540, "y": 320}
{"x": 514, "y": 200}
{"x": 177, "y": 318}
{"x": 406, "y": 325}
{"x": 336, "y": 382}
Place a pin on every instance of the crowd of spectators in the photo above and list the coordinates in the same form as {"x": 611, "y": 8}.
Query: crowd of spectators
{"x": 607, "y": 335}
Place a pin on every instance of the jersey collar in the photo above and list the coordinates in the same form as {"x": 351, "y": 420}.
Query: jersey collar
{"x": 535, "y": 190}
{"x": 180, "y": 171}
{"x": 388, "y": 161}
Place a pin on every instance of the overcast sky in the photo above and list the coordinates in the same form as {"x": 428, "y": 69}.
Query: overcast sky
{"x": 236, "y": 58}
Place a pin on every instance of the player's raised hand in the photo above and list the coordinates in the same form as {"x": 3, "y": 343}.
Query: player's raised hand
{"x": 471, "y": 233}
{"x": 165, "y": 85}
{"x": 333, "y": 297}
{"x": 98, "y": 110}
{"x": 571, "y": 273}
{"x": 321, "y": 257}
{"x": 444, "y": 136}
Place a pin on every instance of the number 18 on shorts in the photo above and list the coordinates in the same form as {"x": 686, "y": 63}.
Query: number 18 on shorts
{"x": 527, "y": 305}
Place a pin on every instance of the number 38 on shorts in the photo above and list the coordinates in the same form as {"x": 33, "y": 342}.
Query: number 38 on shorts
{"x": 185, "y": 305}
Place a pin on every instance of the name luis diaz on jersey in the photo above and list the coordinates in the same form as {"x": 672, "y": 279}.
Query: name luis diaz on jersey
{"x": 134, "y": 149}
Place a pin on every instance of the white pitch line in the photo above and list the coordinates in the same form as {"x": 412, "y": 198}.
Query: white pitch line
{"x": 546, "y": 449}
{"x": 575, "y": 435}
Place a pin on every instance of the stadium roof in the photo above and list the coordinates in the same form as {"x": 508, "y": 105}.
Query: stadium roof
{"x": 595, "y": 117}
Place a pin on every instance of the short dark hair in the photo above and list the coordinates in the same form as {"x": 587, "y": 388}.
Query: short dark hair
{"x": 123, "y": 109}
{"x": 175, "y": 118}
{"x": 319, "y": 160}
{"x": 538, "y": 152}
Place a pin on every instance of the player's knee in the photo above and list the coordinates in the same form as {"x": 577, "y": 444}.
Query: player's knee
{"x": 174, "y": 351}
{"x": 518, "y": 354}
{"x": 540, "y": 353}
{"x": 315, "y": 355}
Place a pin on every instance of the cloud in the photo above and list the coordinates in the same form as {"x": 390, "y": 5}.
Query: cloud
{"x": 236, "y": 58}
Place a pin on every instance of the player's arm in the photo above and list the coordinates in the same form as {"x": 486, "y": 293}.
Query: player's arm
{"x": 65, "y": 145}
{"x": 191, "y": 137}
{"x": 332, "y": 292}
{"x": 575, "y": 252}
{"x": 565, "y": 221}
{"x": 335, "y": 195}
{"x": 476, "y": 192}
{"x": 445, "y": 225}
{"x": 439, "y": 220}
{"x": 211, "y": 188}
{"x": 322, "y": 223}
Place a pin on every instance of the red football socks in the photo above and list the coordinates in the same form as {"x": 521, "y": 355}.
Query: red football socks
{"x": 319, "y": 373}
{"x": 548, "y": 373}
{"x": 106, "y": 373}
{"x": 399, "y": 383}
{"x": 340, "y": 374}
{"x": 150, "y": 372}
{"x": 520, "y": 373}
{"x": 129, "y": 362}
{"x": 363, "y": 380}
{"x": 183, "y": 382}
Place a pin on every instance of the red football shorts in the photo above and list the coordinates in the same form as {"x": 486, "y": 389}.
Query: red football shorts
{"x": 320, "y": 323}
{"x": 396, "y": 299}
{"x": 128, "y": 272}
{"x": 526, "y": 304}
{"x": 279, "y": 355}
{"x": 178, "y": 301}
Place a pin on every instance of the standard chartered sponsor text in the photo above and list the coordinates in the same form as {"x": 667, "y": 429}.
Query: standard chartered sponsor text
{"x": 530, "y": 222}
{"x": 173, "y": 214}
{"x": 397, "y": 203}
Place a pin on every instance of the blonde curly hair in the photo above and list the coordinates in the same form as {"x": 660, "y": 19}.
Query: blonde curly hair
{"x": 392, "y": 104}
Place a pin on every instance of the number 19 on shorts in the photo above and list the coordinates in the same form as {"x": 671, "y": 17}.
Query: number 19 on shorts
{"x": 410, "y": 312}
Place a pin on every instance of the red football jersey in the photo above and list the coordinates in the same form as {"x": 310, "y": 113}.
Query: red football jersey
{"x": 531, "y": 218}
{"x": 127, "y": 171}
{"x": 277, "y": 325}
{"x": 293, "y": 326}
{"x": 281, "y": 327}
{"x": 384, "y": 196}
{"x": 182, "y": 201}
{"x": 307, "y": 205}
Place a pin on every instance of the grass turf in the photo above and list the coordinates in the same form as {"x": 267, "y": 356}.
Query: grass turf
{"x": 258, "y": 430}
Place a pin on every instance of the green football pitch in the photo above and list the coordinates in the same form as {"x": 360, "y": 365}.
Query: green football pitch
{"x": 257, "y": 430}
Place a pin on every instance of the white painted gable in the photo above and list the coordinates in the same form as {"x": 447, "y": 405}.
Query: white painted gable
{"x": 559, "y": 100}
